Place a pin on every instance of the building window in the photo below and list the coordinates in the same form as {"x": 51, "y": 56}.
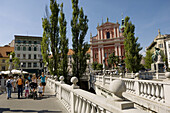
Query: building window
{"x": 18, "y": 48}
{"x": 35, "y": 42}
{"x": 3, "y": 68}
{"x": 29, "y": 42}
{"x": 24, "y": 48}
{"x": 35, "y": 56}
{"x": 95, "y": 55}
{"x": 160, "y": 45}
{"x": 24, "y": 64}
{"x": 19, "y": 41}
{"x": 3, "y": 60}
{"x": 29, "y": 56}
{"x": 169, "y": 45}
{"x": 24, "y": 42}
{"x": 108, "y": 35}
{"x": 29, "y": 64}
{"x": 105, "y": 55}
{"x": 29, "y": 49}
{"x": 18, "y": 55}
{"x": 35, "y": 64}
{"x": 35, "y": 49}
{"x": 24, "y": 56}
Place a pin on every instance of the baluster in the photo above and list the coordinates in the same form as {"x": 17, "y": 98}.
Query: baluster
{"x": 83, "y": 106}
{"x": 93, "y": 110}
{"x": 141, "y": 90}
{"x": 145, "y": 89}
{"x": 88, "y": 107}
{"x": 149, "y": 91}
{"x": 104, "y": 110}
{"x": 98, "y": 109}
{"x": 153, "y": 92}
{"x": 80, "y": 105}
{"x": 133, "y": 89}
{"x": 157, "y": 93}
{"x": 128, "y": 86}
{"x": 76, "y": 104}
{"x": 162, "y": 94}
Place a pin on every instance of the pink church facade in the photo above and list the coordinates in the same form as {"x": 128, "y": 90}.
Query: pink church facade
{"x": 109, "y": 39}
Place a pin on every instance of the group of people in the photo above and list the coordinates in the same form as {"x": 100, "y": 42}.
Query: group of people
{"x": 26, "y": 84}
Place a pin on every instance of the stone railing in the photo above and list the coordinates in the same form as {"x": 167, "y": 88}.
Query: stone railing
{"x": 156, "y": 91}
{"x": 77, "y": 100}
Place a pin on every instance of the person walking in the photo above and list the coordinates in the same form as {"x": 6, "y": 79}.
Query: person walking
{"x": 20, "y": 86}
{"x": 43, "y": 79}
{"x": 26, "y": 89}
{"x": 9, "y": 84}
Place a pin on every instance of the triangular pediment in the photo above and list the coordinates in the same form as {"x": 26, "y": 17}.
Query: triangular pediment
{"x": 106, "y": 24}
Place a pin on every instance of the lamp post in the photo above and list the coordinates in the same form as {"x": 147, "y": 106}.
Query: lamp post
{"x": 10, "y": 65}
{"x": 104, "y": 65}
{"x": 21, "y": 67}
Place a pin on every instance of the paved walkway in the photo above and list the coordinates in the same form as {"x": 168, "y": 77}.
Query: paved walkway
{"x": 48, "y": 104}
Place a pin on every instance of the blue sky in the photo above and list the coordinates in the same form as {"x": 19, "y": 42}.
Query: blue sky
{"x": 25, "y": 17}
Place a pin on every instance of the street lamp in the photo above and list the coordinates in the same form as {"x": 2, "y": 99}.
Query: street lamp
{"x": 21, "y": 67}
{"x": 10, "y": 65}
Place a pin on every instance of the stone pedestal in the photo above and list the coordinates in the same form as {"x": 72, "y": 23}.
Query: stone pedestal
{"x": 158, "y": 67}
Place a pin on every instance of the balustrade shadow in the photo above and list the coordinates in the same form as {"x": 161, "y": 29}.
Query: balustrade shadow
{"x": 38, "y": 111}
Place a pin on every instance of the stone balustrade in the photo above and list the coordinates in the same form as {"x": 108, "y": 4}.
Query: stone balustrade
{"x": 156, "y": 91}
{"x": 77, "y": 100}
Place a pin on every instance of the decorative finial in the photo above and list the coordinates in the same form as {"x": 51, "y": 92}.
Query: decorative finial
{"x": 102, "y": 20}
{"x": 90, "y": 35}
{"x": 117, "y": 22}
{"x": 107, "y": 19}
{"x": 98, "y": 25}
{"x": 122, "y": 16}
{"x": 159, "y": 31}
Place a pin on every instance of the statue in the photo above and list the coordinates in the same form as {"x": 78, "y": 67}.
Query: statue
{"x": 155, "y": 56}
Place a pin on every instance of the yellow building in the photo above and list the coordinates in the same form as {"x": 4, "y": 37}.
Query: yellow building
{"x": 4, "y": 55}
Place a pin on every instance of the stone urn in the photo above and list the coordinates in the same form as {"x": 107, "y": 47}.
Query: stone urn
{"x": 117, "y": 87}
{"x": 167, "y": 75}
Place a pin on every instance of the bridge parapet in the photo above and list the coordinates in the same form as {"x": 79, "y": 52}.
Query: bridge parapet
{"x": 153, "y": 91}
{"x": 79, "y": 101}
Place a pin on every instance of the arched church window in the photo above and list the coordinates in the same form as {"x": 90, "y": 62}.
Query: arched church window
{"x": 108, "y": 35}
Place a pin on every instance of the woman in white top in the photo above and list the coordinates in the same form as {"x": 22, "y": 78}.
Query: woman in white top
{"x": 34, "y": 81}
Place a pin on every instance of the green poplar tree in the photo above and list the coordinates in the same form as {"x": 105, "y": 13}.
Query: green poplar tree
{"x": 51, "y": 36}
{"x": 63, "y": 44}
{"x": 79, "y": 29}
{"x": 148, "y": 59}
{"x": 132, "y": 48}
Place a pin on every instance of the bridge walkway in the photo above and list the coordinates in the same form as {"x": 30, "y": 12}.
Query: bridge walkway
{"x": 48, "y": 104}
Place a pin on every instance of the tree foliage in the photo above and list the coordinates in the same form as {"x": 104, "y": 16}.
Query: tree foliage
{"x": 132, "y": 48}
{"x": 79, "y": 29}
{"x": 51, "y": 39}
{"x": 148, "y": 59}
{"x": 15, "y": 61}
{"x": 94, "y": 65}
{"x": 63, "y": 44}
{"x": 113, "y": 60}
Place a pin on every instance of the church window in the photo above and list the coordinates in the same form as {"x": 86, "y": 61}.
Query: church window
{"x": 108, "y": 35}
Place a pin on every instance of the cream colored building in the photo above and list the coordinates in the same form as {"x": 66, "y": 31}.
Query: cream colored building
{"x": 163, "y": 43}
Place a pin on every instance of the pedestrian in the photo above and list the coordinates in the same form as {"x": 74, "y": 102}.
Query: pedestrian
{"x": 34, "y": 81}
{"x": 43, "y": 79}
{"x": 20, "y": 86}
{"x": 40, "y": 90}
{"x": 9, "y": 84}
{"x": 26, "y": 89}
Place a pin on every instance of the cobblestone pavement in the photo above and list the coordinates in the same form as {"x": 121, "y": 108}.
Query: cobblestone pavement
{"x": 48, "y": 104}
